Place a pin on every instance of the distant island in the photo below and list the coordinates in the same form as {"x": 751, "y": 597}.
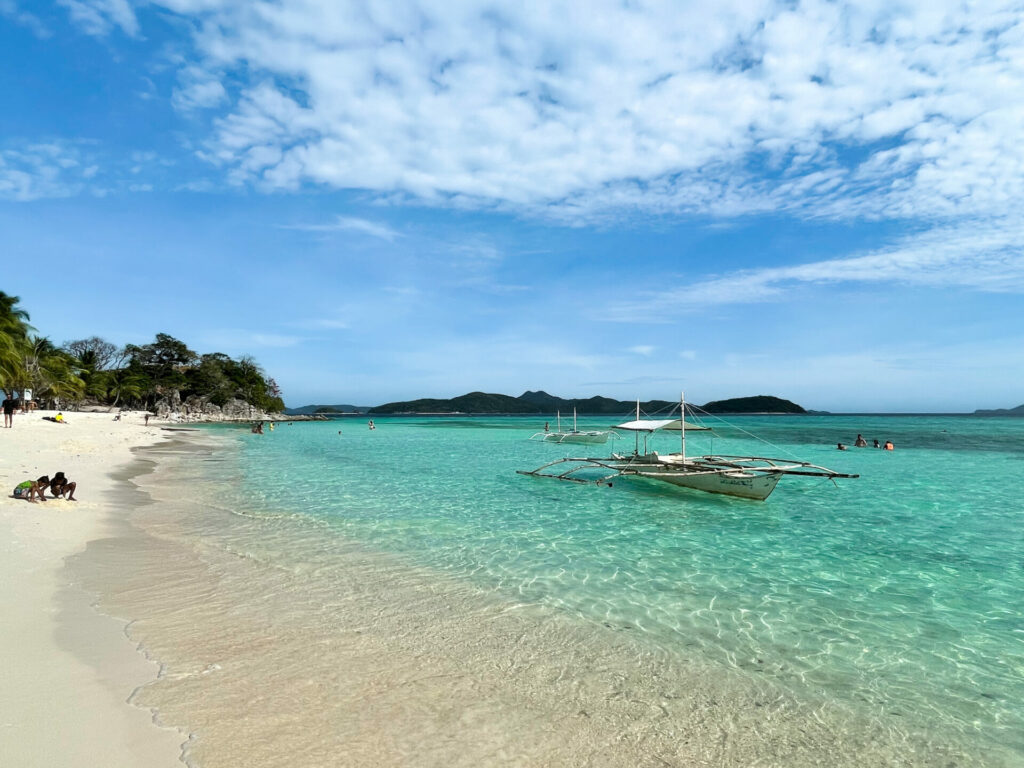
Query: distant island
{"x": 325, "y": 410}
{"x": 1018, "y": 411}
{"x": 538, "y": 403}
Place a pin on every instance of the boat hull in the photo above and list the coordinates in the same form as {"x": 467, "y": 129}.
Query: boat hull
{"x": 744, "y": 485}
{"x": 579, "y": 438}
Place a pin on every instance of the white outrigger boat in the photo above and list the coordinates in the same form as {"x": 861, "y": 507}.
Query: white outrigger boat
{"x": 748, "y": 477}
{"x": 593, "y": 437}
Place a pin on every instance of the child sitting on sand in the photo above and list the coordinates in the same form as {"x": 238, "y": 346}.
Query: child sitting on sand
{"x": 30, "y": 489}
{"x": 61, "y": 486}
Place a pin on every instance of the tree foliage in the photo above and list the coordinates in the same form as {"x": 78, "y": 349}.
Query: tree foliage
{"x": 138, "y": 375}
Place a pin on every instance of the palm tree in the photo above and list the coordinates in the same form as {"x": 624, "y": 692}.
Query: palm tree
{"x": 49, "y": 372}
{"x": 14, "y": 330}
{"x": 127, "y": 385}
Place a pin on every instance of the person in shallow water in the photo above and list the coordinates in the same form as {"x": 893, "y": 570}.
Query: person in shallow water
{"x": 860, "y": 442}
{"x": 876, "y": 444}
{"x": 841, "y": 447}
{"x": 888, "y": 445}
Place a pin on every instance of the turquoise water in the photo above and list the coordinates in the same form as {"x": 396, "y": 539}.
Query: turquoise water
{"x": 899, "y": 593}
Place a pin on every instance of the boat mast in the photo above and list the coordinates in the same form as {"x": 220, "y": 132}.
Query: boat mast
{"x": 574, "y": 420}
{"x": 682, "y": 427}
{"x": 636, "y": 435}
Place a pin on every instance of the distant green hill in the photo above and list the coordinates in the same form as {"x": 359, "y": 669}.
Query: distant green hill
{"x": 591, "y": 405}
{"x": 758, "y": 404}
{"x": 309, "y": 410}
{"x": 474, "y": 402}
{"x": 1018, "y": 411}
{"x": 542, "y": 403}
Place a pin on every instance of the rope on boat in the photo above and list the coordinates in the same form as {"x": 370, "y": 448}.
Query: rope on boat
{"x": 693, "y": 409}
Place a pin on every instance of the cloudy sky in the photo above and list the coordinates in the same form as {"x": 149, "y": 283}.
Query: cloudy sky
{"x": 387, "y": 200}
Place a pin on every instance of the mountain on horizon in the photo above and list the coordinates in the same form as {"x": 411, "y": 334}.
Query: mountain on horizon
{"x": 757, "y": 404}
{"x": 1018, "y": 411}
{"x": 541, "y": 402}
{"x": 310, "y": 410}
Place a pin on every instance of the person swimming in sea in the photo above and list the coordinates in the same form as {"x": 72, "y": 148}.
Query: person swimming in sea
{"x": 888, "y": 446}
{"x": 860, "y": 442}
{"x": 841, "y": 447}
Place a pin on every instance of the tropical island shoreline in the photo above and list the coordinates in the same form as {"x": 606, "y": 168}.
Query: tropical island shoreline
{"x": 90, "y": 676}
{"x": 69, "y": 671}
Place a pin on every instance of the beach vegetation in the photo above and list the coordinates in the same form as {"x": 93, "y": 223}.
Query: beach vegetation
{"x": 98, "y": 371}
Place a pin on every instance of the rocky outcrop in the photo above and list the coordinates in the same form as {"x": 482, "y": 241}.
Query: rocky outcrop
{"x": 200, "y": 409}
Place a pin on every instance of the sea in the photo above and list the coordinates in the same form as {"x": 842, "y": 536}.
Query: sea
{"x": 328, "y": 594}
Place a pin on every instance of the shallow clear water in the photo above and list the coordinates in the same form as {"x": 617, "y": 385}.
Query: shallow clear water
{"x": 899, "y": 594}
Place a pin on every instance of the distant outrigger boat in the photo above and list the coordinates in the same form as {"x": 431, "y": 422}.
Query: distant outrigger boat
{"x": 593, "y": 437}
{"x": 748, "y": 477}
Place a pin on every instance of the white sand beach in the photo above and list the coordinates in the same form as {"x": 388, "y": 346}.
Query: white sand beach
{"x": 67, "y": 671}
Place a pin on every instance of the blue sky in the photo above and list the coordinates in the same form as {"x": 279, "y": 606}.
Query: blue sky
{"x": 381, "y": 201}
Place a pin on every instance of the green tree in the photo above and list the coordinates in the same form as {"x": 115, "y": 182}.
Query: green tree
{"x": 95, "y": 353}
{"x": 210, "y": 380}
{"x": 125, "y": 384}
{"x": 14, "y": 331}
{"x": 161, "y": 364}
{"x": 95, "y": 358}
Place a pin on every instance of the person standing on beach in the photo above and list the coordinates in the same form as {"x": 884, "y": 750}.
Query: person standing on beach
{"x": 9, "y": 405}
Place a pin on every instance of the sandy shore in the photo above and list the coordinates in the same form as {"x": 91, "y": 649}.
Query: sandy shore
{"x": 67, "y": 671}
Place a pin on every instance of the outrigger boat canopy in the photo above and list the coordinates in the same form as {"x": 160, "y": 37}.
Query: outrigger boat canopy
{"x": 749, "y": 477}
{"x": 657, "y": 425}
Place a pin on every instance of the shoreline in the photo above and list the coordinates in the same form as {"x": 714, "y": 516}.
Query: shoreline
{"x": 323, "y": 651}
{"x": 271, "y": 650}
{"x": 69, "y": 671}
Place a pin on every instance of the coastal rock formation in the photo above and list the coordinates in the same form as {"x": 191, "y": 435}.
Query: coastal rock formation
{"x": 201, "y": 409}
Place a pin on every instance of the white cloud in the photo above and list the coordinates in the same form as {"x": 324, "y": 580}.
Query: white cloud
{"x": 643, "y": 349}
{"x": 351, "y": 224}
{"x": 197, "y": 89}
{"x": 578, "y": 110}
{"x": 99, "y": 17}
{"x": 986, "y": 256}
{"x": 11, "y": 10}
{"x": 35, "y": 171}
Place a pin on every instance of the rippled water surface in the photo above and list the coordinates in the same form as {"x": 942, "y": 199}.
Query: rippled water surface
{"x": 900, "y": 593}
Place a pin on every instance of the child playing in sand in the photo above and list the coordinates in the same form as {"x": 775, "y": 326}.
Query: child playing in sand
{"x": 61, "y": 486}
{"x": 32, "y": 489}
